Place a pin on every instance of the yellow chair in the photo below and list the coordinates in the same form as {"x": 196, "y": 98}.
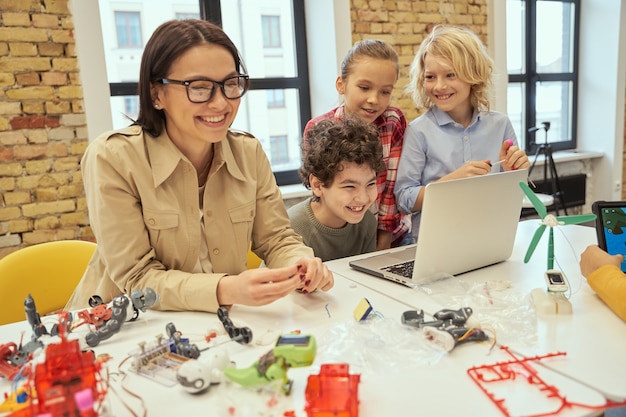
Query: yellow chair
{"x": 49, "y": 271}
{"x": 253, "y": 260}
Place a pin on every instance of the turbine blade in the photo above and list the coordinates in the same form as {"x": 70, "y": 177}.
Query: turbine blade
{"x": 576, "y": 218}
{"x": 534, "y": 241}
{"x": 540, "y": 208}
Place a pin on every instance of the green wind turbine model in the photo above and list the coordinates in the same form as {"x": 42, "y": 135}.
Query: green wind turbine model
{"x": 551, "y": 221}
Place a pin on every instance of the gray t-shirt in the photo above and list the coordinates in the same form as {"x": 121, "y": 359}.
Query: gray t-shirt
{"x": 329, "y": 243}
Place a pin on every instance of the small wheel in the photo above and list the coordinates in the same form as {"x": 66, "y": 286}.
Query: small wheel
{"x": 246, "y": 335}
{"x": 95, "y": 300}
{"x": 222, "y": 313}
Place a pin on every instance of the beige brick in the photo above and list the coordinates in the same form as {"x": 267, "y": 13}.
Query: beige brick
{"x": 47, "y": 222}
{"x": 23, "y": 34}
{"x": 9, "y": 241}
{"x": 11, "y": 64}
{"x": 69, "y": 191}
{"x": 58, "y": 107}
{"x": 15, "y": 19}
{"x": 54, "y": 78}
{"x": 37, "y": 136}
{"x": 45, "y": 20}
{"x": 72, "y": 91}
{"x": 10, "y": 213}
{"x": 62, "y": 36}
{"x": 66, "y": 164}
{"x": 10, "y": 107}
{"x": 61, "y": 133}
{"x": 22, "y": 49}
{"x": 25, "y": 93}
{"x": 27, "y": 78}
{"x": 4, "y": 124}
{"x": 12, "y": 138}
{"x": 39, "y": 236}
{"x": 74, "y": 219}
{"x": 57, "y": 6}
{"x": 6, "y": 79}
{"x": 33, "y": 107}
{"x": 20, "y": 226}
{"x": 16, "y": 198}
{"x": 73, "y": 120}
{"x": 14, "y": 169}
{"x": 39, "y": 209}
{"x": 50, "y": 49}
{"x": 46, "y": 194}
{"x": 38, "y": 167}
{"x": 4, "y": 49}
{"x": 65, "y": 64}
{"x": 7, "y": 184}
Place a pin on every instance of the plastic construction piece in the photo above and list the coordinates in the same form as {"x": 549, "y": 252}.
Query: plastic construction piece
{"x": 334, "y": 392}
{"x": 242, "y": 335}
{"x": 550, "y": 303}
{"x": 449, "y": 328}
{"x": 108, "y": 319}
{"x": 551, "y": 221}
{"x": 503, "y": 372}
{"x": 161, "y": 360}
{"x": 362, "y": 310}
{"x": 290, "y": 351}
{"x": 198, "y": 375}
{"x": 68, "y": 382}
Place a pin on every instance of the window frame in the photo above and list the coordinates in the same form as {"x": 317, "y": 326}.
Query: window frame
{"x": 211, "y": 10}
{"x": 529, "y": 77}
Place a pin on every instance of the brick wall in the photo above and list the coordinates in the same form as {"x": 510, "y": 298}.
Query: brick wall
{"x": 405, "y": 23}
{"x": 43, "y": 131}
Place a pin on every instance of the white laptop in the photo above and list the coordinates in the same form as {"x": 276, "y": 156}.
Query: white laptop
{"x": 466, "y": 224}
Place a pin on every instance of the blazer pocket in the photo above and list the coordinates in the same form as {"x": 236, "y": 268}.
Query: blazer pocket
{"x": 242, "y": 218}
{"x": 159, "y": 219}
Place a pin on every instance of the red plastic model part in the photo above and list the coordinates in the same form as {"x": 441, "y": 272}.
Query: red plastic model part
{"x": 7, "y": 370}
{"x": 485, "y": 375}
{"x": 67, "y": 383}
{"x": 332, "y": 393}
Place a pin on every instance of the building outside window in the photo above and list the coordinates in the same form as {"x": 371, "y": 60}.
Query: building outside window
{"x": 271, "y": 31}
{"x": 128, "y": 29}
{"x": 275, "y": 98}
{"x": 279, "y": 146}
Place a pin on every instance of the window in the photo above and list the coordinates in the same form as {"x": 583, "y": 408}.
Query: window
{"x": 128, "y": 29}
{"x": 182, "y": 16}
{"x": 276, "y": 108}
{"x": 275, "y": 98}
{"x": 279, "y": 146}
{"x": 542, "y": 61}
{"x": 271, "y": 31}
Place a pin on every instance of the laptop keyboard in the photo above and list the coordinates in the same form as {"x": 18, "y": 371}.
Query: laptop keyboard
{"x": 404, "y": 269}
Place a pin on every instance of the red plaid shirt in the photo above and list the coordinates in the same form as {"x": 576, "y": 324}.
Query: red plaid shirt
{"x": 391, "y": 126}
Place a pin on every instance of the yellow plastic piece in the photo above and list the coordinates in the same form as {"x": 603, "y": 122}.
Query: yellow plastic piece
{"x": 49, "y": 271}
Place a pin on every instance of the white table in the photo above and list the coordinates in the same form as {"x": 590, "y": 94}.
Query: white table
{"x": 399, "y": 374}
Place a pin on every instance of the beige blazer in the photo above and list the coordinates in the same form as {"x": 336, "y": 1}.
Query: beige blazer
{"x": 142, "y": 195}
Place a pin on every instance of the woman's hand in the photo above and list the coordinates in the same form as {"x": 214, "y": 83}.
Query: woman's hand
{"x": 260, "y": 286}
{"x": 316, "y": 275}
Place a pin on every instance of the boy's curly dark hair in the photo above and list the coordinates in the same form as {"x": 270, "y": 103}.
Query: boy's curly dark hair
{"x": 331, "y": 142}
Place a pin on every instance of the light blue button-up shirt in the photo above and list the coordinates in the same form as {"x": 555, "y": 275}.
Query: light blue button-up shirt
{"x": 435, "y": 145}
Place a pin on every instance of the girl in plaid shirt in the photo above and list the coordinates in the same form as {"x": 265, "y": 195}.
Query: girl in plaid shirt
{"x": 369, "y": 72}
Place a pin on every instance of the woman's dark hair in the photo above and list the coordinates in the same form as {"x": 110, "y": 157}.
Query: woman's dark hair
{"x": 331, "y": 142}
{"x": 169, "y": 41}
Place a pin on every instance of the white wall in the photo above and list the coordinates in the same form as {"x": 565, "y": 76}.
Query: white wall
{"x": 90, "y": 51}
{"x": 329, "y": 36}
{"x": 602, "y": 65}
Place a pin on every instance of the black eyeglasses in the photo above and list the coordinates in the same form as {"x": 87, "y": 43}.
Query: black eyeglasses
{"x": 202, "y": 91}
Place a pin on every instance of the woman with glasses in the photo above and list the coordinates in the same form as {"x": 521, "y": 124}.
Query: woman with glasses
{"x": 176, "y": 199}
